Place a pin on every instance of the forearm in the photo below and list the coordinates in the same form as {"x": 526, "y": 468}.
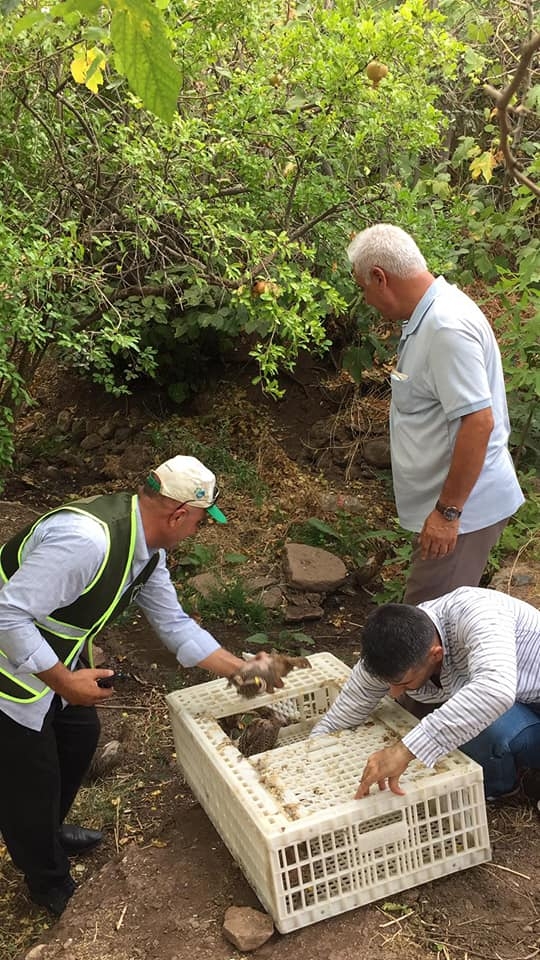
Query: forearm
{"x": 222, "y": 663}
{"x": 468, "y": 457}
{"x": 58, "y": 678}
{"x": 354, "y": 704}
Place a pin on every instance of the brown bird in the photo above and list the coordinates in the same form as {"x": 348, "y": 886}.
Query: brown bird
{"x": 261, "y": 733}
{"x": 262, "y": 677}
{"x": 107, "y": 758}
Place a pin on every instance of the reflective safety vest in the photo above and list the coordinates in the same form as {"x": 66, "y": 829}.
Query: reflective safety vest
{"x": 67, "y": 629}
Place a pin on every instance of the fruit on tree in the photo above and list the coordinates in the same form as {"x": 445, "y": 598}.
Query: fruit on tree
{"x": 376, "y": 71}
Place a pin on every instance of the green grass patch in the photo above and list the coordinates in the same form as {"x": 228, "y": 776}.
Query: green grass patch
{"x": 230, "y": 603}
{"x": 233, "y": 472}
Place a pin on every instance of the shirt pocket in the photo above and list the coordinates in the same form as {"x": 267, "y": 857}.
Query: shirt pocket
{"x": 404, "y": 395}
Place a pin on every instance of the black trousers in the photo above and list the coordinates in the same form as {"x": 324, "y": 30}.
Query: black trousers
{"x": 41, "y": 774}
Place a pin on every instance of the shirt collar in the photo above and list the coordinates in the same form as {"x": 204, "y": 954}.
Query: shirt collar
{"x": 141, "y": 554}
{"x": 422, "y": 307}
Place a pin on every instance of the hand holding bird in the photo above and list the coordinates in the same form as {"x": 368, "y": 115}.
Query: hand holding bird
{"x": 263, "y": 675}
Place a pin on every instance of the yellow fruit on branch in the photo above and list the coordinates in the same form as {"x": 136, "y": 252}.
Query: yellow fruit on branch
{"x": 265, "y": 286}
{"x": 376, "y": 71}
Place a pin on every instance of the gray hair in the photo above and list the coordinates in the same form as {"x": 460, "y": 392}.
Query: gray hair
{"x": 388, "y": 247}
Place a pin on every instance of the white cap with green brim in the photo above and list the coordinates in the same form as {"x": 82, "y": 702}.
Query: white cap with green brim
{"x": 188, "y": 481}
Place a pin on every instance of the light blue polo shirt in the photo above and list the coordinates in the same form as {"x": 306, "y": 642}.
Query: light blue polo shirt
{"x": 448, "y": 365}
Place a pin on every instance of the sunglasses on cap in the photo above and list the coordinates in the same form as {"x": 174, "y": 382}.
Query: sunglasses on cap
{"x": 212, "y": 510}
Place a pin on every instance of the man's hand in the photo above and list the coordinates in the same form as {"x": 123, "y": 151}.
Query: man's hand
{"x": 78, "y": 687}
{"x": 438, "y": 536}
{"x": 263, "y": 673}
{"x": 385, "y": 766}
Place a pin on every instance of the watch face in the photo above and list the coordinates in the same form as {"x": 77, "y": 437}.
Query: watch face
{"x": 449, "y": 513}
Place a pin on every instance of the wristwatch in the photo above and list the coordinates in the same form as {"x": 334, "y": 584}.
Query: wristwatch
{"x": 449, "y": 513}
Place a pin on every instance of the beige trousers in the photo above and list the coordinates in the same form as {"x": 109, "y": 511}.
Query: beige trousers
{"x": 463, "y": 567}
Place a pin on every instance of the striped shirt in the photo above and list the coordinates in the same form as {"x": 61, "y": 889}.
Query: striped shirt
{"x": 491, "y": 660}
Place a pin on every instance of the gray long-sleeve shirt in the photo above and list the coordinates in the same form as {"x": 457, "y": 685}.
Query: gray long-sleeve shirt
{"x": 491, "y": 660}
{"x": 60, "y": 559}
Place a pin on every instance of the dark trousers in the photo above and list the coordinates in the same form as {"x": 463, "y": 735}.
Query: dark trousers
{"x": 42, "y": 772}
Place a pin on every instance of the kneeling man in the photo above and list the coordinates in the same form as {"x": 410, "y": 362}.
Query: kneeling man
{"x": 475, "y": 655}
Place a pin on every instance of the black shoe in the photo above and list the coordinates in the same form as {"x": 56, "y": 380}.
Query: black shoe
{"x": 75, "y": 839}
{"x": 54, "y": 898}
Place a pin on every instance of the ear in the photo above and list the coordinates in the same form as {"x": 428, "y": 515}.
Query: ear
{"x": 177, "y": 515}
{"x": 379, "y": 276}
{"x": 436, "y": 653}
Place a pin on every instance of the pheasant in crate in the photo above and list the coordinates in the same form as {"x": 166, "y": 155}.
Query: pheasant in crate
{"x": 261, "y": 733}
{"x": 263, "y": 676}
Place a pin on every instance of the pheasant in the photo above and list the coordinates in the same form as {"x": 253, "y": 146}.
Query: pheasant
{"x": 262, "y": 676}
{"x": 261, "y": 733}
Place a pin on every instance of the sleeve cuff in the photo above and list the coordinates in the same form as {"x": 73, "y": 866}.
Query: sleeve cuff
{"x": 41, "y": 659}
{"x": 424, "y": 748}
{"x": 194, "y": 650}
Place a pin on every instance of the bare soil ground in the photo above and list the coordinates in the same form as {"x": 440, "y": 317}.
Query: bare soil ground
{"x": 159, "y": 885}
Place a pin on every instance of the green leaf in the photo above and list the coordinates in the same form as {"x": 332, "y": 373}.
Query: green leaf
{"x": 235, "y": 558}
{"x": 479, "y": 31}
{"x": 463, "y": 150}
{"x": 532, "y": 100}
{"x": 473, "y": 62}
{"x": 28, "y": 21}
{"x": 260, "y": 638}
{"x": 143, "y": 52}
{"x": 88, "y": 8}
{"x": 390, "y": 907}
{"x": 7, "y": 6}
{"x": 356, "y": 360}
{"x": 300, "y": 637}
{"x": 295, "y": 102}
{"x": 323, "y": 528}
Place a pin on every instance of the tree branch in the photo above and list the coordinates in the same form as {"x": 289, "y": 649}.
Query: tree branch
{"x": 502, "y": 99}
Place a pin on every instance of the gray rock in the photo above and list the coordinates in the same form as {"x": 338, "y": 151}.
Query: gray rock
{"x": 78, "y": 429}
{"x": 511, "y": 576}
{"x": 258, "y": 584}
{"x": 377, "y": 452}
{"x": 91, "y": 442}
{"x": 36, "y": 953}
{"x": 341, "y": 454}
{"x": 347, "y": 502}
{"x": 272, "y": 598}
{"x": 246, "y": 928}
{"x": 106, "y": 431}
{"x": 205, "y": 584}
{"x": 295, "y": 614}
{"x": 311, "y": 568}
{"x": 522, "y": 579}
{"x": 122, "y": 433}
{"x": 303, "y": 599}
{"x": 327, "y": 433}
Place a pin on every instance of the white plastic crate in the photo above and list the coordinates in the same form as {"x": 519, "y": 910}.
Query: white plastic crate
{"x": 288, "y": 816}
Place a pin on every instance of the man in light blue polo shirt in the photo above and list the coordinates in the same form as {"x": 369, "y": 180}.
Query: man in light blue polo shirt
{"x": 454, "y": 480}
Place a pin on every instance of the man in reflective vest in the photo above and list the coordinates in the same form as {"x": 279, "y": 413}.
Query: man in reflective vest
{"x": 63, "y": 579}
